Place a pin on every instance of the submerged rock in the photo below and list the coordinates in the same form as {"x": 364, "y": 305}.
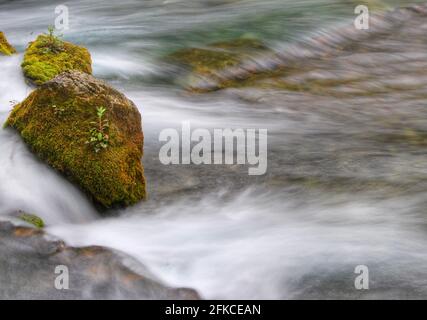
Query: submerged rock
{"x": 5, "y": 47}
{"x": 208, "y": 61}
{"x": 48, "y": 56}
{"x": 29, "y": 261}
{"x": 389, "y": 31}
{"x": 62, "y": 124}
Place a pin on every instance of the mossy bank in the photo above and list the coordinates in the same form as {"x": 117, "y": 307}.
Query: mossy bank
{"x": 48, "y": 56}
{"x": 5, "y": 47}
{"x": 58, "y": 121}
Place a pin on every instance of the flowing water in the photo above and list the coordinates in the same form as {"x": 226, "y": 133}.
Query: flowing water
{"x": 346, "y": 181}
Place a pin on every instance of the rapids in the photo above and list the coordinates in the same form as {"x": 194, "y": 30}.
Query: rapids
{"x": 347, "y": 172}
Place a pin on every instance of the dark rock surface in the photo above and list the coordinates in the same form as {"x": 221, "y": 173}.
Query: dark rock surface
{"x": 29, "y": 257}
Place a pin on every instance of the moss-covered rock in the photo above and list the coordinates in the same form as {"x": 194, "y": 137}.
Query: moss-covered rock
{"x": 42, "y": 62}
{"x": 5, "y": 47}
{"x": 58, "y": 120}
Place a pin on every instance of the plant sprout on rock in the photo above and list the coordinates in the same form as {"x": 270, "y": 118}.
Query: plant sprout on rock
{"x": 99, "y": 138}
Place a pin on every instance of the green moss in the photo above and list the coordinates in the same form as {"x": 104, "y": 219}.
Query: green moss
{"x": 32, "y": 219}
{"x": 241, "y": 45}
{"x": 205, "y": 60}
{"x": 217, "y": 56}
{"x": 112, "y": 177}
{"x": 5, "y": 47}
{"x": 41, "y": 65}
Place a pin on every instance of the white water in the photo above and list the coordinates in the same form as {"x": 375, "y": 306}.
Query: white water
{"x": 216, "y": 229}
{"x": 248, "y": 250}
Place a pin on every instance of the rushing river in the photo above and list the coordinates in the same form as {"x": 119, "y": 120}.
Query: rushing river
{"x": 347, "y": 173}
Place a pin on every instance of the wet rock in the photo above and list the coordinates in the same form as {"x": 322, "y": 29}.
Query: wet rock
{"x": 101, "y": 152}
{"x": 29, "y": 258}
{"x": 203, "y": 64}
{"x": 391, "y": 33}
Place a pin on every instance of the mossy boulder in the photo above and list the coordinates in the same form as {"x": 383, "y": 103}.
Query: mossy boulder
{"x": 42, "y": 62}
{"x": 57, "y": 122}
{"x": 5, "y": 47}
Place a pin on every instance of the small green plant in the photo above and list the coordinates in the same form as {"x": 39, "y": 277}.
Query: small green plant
{"x": 32, "y": 219}
{"x": 58, "y": 110}
{"x": 99, "y": 138}
{"x": 52, "y": 43}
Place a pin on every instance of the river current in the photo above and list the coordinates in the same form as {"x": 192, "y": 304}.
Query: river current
{"x": 347, "y": 172}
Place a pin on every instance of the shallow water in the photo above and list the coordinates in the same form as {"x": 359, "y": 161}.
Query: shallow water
{"x": 346, "y": 180}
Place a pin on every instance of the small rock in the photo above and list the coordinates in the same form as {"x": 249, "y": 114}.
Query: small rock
{"x": 28, "y": 270}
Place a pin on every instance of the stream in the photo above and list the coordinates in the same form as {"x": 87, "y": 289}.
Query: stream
{"x": 346, "y": 182}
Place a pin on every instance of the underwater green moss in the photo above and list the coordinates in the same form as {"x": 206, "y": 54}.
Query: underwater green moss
{"x": 5, "y": 47}
{"x": 113, "y": 177}
{"x": 41, "y": 64}
{"x": 241, "y": 45}
{"x": 205, "y": 60}
{"x": 208, "y": 60}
